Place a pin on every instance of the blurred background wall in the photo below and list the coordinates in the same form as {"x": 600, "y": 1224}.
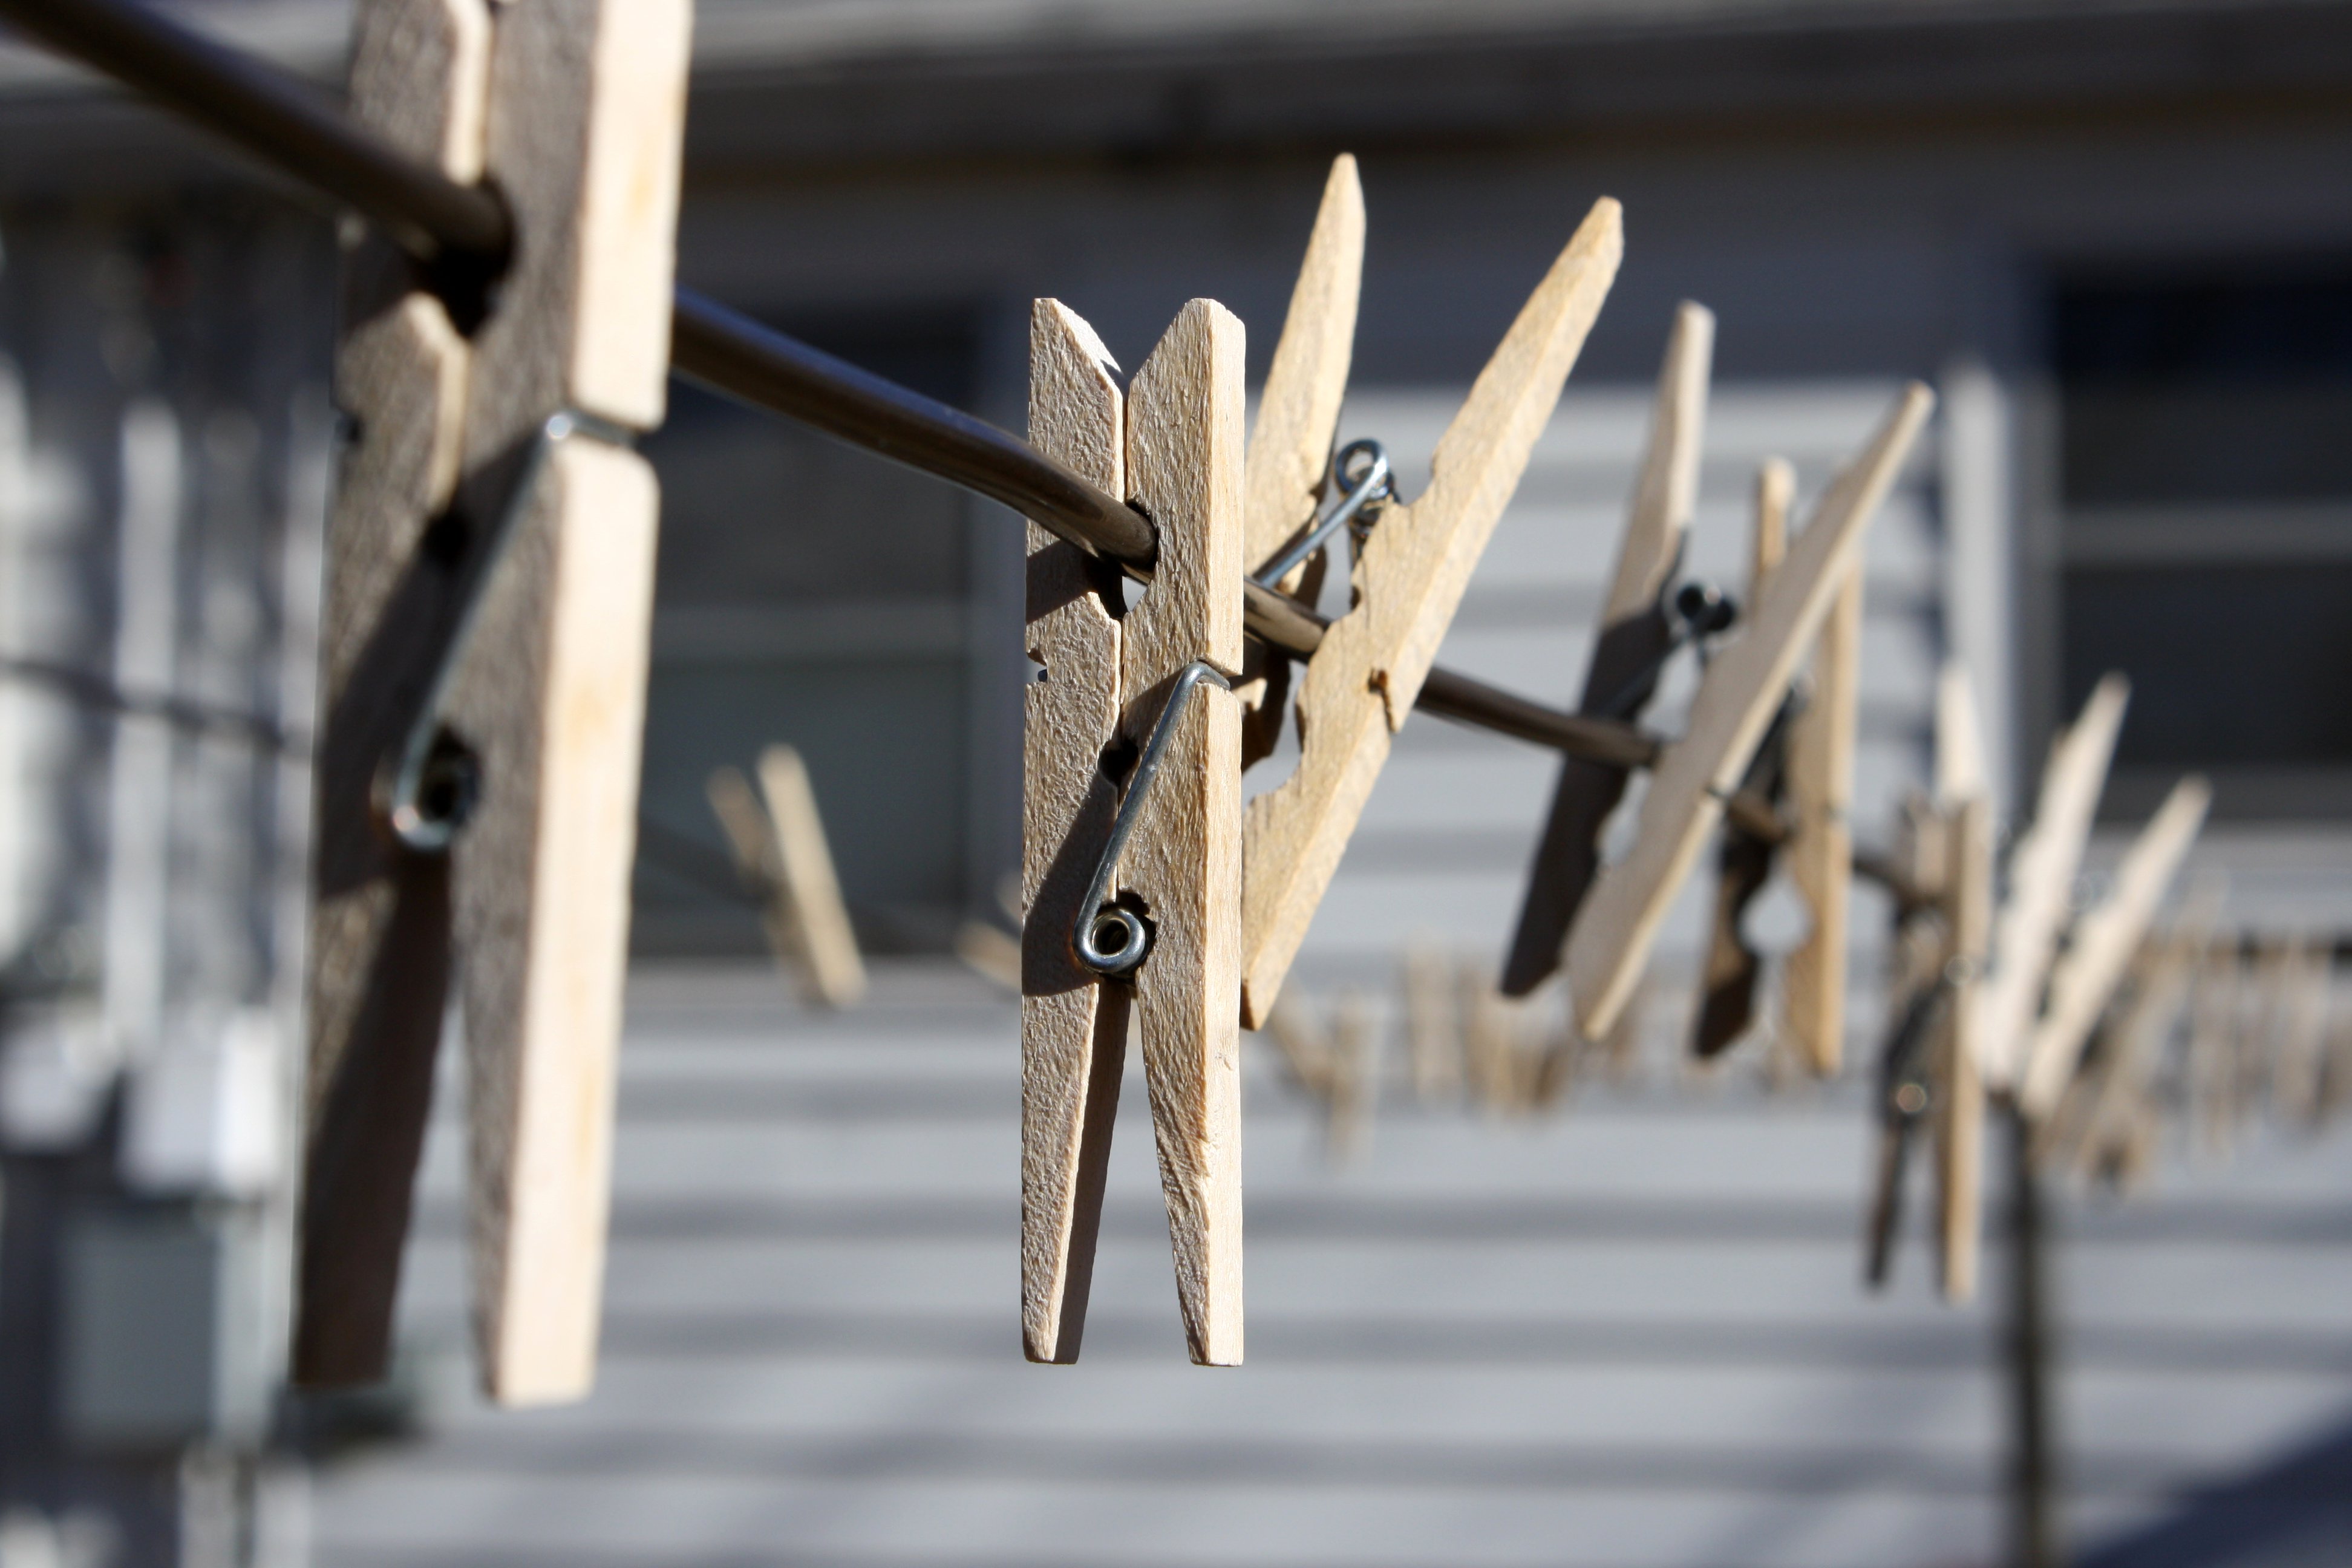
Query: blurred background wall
{"x": 2116, "y": 237}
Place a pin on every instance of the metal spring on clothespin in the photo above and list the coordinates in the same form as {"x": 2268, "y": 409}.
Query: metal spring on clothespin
{"x": 1098, "y": 919}
{"x": 1698, "y": 611}
{"x": 1360, "y": 497}
{"x": 433, "y": 782}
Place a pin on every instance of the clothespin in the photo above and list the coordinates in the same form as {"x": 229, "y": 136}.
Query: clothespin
{"x": 1927, "y": 1069}
{"x": 1408, "y": 578}
{"x": 1807, "y": 757}
{"x": 2041, "y": 870}
{"x": 1819, "y": 851}
{"x": 1610, "y": 941}
{"x": 1639, "y": 628}
{"x": 2104, "y": 940}
{"x": 1132, "y": 823}
{"x": 779, "y": 844}
{"x": 1743, "y": 859}
{"x": 1964, "y": 902}
{"x": 490, "y": 597}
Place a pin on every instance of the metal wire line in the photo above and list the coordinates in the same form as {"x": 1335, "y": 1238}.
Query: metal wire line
{"x": 463, "y": 234}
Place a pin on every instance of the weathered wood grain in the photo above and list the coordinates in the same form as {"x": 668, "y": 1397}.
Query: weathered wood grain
{"x": 586, "y": 115}
{"x": 1072, "y": 1028}
{"x": 1184, "y": 444}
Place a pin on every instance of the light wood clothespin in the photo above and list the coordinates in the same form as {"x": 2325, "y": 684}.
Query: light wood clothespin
{"x": 1744, "y": 861}
{"x": 1408, "y": 580}
{"x": 1819, "y": 851}
{"x": 778, "y": 840}
{"x": 2041, "y": 870}
{"x": 1131, "y": 724}
{"x": 2105, "y": 939}
{"x": 1610, "y": 942}
{"x": 1638, "y": 630}
{"x": 1927, "y": 1069}
{"x": 490, "y": 601}
{"x": 1965, "y": 900}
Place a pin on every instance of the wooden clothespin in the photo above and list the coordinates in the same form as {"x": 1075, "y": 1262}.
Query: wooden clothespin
{"x": 2042, "y": 873}
{"x": 1639, "y": 628}
{"x": 1819, "y": 851}
{"x": 1927, "y": 1070}
{"x": 2105, "y": 939}
{"x": 1609, "y": 942}
{"x": 490, "y": 597}
{"x": 1744, "y": 860}
{"x": 1965, "y": 901}
{"x": 1408, "y": 579}
{"x": 1132, "y": 825}
{"x": 1806, "y": 758}
{"x": 778, "y": 840}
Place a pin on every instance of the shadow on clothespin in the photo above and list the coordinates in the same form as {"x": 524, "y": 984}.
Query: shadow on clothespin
{"x": 778, "y": 841}
{"x": 1642, "y": 624}
{"x": 490, "y": 601}
{"x": 1132, "y": 823}
{"x": 1408, "y": 563}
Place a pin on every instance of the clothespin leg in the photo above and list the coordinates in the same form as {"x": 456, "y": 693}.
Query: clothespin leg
{"x": 1072, "y": 1027}
{"x": 379, "y": 955}
{"x": 1821, "y": 854}
{"x": 1744, "y": 861}
{"x": 1634, "y": 633}
{"x": 1183, "y": 864}
{"x": 1297, "y": 419}
{"x": 584, "y": 135}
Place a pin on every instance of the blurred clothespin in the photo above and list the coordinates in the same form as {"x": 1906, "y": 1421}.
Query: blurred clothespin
{"x": 2042, "y": 871}
{"x": 1927, "y": 1067}
{"x": 1411, "y": 563}
{"x": 1641, "y": 626}
{"x": 1132, "y": 823}
{"x": 778, "y": 840}
{"x": 1731, "y": 969}
{"x": 2100, "y": 951}
{"x": 490, "y": 597}
{"x": 1696, "y": 775}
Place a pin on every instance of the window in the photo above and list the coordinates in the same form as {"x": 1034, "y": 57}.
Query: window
{"x": 2205, "y": 481}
